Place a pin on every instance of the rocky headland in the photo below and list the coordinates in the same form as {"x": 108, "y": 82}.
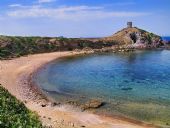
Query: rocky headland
{"x": 127, "y": 39}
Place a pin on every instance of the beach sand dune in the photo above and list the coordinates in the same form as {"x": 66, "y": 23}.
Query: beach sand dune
{"x": 15, "y": 76}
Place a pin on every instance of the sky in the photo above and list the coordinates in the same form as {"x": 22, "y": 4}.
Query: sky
{"x": 82, "y": 18}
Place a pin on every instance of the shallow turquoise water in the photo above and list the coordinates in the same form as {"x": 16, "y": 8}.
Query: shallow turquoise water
{"x": 137, "y": 80}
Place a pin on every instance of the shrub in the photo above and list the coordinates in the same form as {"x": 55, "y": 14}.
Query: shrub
{"x": 14, "y": 114}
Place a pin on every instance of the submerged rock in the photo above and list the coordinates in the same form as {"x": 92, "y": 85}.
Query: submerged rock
{"x": 126, "y": 89}
{"x": 92, "y": 104}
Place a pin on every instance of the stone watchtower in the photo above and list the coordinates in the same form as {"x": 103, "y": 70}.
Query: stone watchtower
{"x": 129, "y": 24}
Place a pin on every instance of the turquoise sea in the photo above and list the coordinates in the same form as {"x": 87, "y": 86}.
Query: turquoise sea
{"x": 134, "y": 85}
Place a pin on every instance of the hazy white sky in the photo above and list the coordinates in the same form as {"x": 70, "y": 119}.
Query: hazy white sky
{"x": 82, "y": 18}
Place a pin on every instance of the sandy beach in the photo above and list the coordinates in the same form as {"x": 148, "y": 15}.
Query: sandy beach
{"x": 15, "y": 76}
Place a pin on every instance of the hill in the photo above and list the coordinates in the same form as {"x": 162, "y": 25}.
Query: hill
{"x": 135, "y": 37}
{"x": 14, "y": 114}
{"x": 12, "y": 46}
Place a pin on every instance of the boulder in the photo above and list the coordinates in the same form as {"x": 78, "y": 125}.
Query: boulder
{"x": 44, "y": 105}
{"x": 55, "y": 104}
{"x": 94, "y": 103}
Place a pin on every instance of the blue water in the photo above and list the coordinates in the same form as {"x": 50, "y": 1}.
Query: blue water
{"x": 166, "y": 38}
{"x": 133, "y": 81}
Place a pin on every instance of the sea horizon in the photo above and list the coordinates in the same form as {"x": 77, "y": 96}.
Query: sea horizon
{"x": 166, "y": 38}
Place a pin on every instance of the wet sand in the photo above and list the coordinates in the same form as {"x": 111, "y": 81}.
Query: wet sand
{"x": 15, "y": 76}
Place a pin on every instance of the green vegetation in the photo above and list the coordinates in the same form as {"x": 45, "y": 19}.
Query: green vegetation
{"x": 19, "y": 46}
{"x": 16, "y": 46}
{"x": 14, "y": 114}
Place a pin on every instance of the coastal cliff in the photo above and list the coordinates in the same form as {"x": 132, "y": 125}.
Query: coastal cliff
{"x": 135, "y": 37}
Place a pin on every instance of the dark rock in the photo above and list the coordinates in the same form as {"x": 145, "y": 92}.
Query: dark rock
{"x": 55, "y": 104}
{"x": 43, "y": 105}
{"x": 127, "y": 89}
{"x": 126, "y": 81}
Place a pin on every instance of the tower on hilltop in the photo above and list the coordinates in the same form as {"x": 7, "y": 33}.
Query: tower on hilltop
{"x": 129, "y": 24}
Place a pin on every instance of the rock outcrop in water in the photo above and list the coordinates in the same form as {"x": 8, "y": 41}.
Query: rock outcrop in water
{"x": 92, "y": 104}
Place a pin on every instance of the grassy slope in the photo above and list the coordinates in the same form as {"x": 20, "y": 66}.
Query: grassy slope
{"x": 15, "y": 46}
{"x": 14, "y": 114}
{"x": 19, "y": 46}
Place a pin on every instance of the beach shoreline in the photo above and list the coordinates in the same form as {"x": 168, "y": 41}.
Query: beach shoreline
{"x": 16, "y": 76}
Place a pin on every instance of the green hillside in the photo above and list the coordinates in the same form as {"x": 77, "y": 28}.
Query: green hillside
{"x": 16, "y": 46}
{"x": 14, "y": 114}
